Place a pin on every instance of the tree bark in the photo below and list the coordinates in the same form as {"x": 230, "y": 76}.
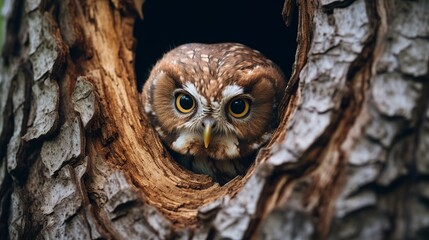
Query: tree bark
{"x": 350, "y": 159}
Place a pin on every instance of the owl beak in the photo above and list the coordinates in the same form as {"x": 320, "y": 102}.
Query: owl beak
{"x": 207, "y": 133}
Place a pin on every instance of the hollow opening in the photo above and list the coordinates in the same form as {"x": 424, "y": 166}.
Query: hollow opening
{"x": 254, "y": 23}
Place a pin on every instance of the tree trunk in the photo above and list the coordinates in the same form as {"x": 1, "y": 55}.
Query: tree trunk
{"x": 350, "y": 159}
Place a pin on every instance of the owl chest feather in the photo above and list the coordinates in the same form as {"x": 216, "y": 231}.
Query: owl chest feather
{"x": 221, "y": 147}
{"x": 219, "y": 171}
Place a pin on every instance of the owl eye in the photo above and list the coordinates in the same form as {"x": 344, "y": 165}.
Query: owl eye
{"x": 184, "y": 103}
{"x": 239, "y": 107}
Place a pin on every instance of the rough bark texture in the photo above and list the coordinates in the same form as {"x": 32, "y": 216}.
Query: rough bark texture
{"x": 350, "y": 159}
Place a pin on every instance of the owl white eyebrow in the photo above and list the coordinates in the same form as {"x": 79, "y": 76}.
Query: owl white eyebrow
{"x": 232, "y": 91}
{"x": 191, "y": 89}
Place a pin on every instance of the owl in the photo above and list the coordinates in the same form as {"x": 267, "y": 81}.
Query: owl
{"x": 213, "y": 106}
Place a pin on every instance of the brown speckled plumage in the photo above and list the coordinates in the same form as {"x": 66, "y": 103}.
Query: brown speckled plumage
{"x": 214, "y": 74}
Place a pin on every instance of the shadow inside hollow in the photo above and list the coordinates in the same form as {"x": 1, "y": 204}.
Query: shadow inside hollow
{"x": 255, "y": 23}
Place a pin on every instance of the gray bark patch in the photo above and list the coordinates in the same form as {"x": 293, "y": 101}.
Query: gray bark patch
{"x": 44, "y": 109}
{"x": 85, "y": 101}
{"x": 67, "y": 145}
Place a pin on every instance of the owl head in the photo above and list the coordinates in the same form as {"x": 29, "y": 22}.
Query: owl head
{"x": 213, "y": 102}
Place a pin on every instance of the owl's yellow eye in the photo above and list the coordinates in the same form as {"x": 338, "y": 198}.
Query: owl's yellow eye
{"x": 239, "y": 107}
{"x": 184, "y": 103}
